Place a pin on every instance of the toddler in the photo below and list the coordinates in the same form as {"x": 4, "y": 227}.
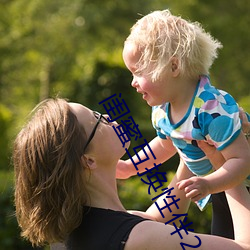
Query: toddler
{"x": 170, "y": 59}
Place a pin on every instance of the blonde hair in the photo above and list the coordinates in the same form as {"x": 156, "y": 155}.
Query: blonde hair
{"x": 49, "y": 181}
{"x": 160, "y": 36}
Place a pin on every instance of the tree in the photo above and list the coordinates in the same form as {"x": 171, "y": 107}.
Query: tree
{"x": 73, "y": 48}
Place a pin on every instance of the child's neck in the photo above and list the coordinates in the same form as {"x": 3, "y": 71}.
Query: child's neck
{"x": 180, "y": 105}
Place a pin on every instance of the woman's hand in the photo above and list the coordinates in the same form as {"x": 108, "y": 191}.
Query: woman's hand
{"x": 198, "y": 187}
{"x": 245, "y": 124}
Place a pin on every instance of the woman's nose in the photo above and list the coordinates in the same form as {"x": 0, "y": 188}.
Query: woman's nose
{"x": 110, "y": 119}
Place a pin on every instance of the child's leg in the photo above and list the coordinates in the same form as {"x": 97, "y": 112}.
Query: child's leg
{"x": 222, "y": 224}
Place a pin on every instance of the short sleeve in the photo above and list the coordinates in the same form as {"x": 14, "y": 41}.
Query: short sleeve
{"x": 159, "y": 121}
{"x": 219, "y": 120}
{"x": 162, "y": 136}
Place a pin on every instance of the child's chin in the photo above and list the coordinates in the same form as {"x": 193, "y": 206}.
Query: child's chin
{"x": 149, "y": 103}
{"x": 152, "y": 103}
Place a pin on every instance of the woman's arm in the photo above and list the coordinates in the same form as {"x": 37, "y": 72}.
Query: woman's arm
{"x": 153, "y": 213}
{"x": 157, "y": 236}
{"x": 154, "y": 235}
{"x": 183, "y": 204}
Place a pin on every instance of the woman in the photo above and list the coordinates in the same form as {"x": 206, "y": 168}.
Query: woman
{"x": 65, "y": 188}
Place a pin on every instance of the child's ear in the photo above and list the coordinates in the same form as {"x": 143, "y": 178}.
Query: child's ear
{"x": 175, "y": 66}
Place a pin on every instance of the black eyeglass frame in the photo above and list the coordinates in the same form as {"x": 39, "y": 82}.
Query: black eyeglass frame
{"x": 100, "y": 118}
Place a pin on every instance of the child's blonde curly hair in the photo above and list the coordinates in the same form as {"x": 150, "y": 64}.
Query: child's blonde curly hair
{"x": 161, "y": 36}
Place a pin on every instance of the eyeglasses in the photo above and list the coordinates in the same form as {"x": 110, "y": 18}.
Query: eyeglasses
{"x": 100, "y": 118}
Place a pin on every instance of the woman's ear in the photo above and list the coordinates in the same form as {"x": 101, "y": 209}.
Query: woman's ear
{"x": 175, "y": 66}
{"x": 90, "y": 161}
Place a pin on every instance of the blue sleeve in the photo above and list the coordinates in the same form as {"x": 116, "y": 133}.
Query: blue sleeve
{"x": 219, "y": 120}
{"x": 162, "y": 136}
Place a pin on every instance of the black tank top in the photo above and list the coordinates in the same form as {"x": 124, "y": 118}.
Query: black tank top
{"x": 102, "y": 229}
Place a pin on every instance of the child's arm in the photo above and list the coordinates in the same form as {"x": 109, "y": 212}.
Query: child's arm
{"x": 162, "y": 149}
{"x": 234, "y": 171}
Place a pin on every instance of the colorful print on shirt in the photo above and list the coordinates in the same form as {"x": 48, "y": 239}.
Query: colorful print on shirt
{"x": 213, "y": 115}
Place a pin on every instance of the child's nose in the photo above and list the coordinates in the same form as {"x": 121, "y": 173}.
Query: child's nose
{"x": 134, "y": 83}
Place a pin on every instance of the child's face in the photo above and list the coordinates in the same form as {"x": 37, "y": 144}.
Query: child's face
{"x": 152, "y": 92}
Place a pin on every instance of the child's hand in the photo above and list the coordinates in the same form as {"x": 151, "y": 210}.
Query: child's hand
{"x": 123, "y": 170}
{"x": 194, "y": 187}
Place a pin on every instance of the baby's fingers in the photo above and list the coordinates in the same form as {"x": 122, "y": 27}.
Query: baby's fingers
{"x": 194, "y": 195}
{"x": 184, "y": 183}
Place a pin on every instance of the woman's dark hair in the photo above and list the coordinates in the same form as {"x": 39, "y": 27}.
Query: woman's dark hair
{"x": 49, "y": 180}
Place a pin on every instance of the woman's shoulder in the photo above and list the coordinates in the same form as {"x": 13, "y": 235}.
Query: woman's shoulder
{"x": 152, "y": 235}
{"x": 158, "y": 236}
{"x": 110, "y": 227}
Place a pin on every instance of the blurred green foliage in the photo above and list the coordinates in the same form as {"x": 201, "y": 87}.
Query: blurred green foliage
{"x": 72, "y": 48}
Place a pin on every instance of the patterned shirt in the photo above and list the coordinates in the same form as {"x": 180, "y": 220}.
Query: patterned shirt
{"x": 213, "y": 115}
